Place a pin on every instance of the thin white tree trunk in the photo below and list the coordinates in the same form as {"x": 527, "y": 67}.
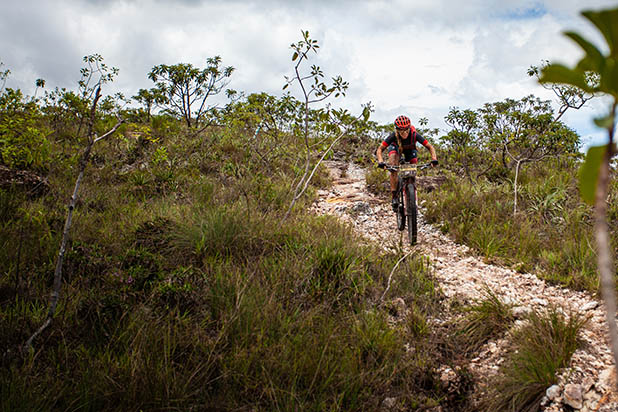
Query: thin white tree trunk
{"x": 515, "y": 187}
{"x": 55, "y": 294}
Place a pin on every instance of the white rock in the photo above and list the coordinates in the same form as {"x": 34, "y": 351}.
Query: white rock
{"x": 553, "y": 392}
{"x": 590, "y": 306}
{"x": 587, "y": 384}
{"x": 520, "y": 311}
{"x": 605, "y": 378}
{"x": 573, "y": 396}
{"x": 389, "y": 402}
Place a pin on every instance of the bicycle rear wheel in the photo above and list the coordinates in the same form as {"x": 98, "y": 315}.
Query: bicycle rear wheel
{"x": 411, "y": 214}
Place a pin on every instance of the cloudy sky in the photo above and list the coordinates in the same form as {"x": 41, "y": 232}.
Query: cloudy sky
{"x": 415, "y": 57}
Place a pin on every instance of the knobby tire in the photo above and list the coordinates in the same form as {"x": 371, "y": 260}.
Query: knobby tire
{"x": 401, "y": 213}
{"x": 411, "y": 213}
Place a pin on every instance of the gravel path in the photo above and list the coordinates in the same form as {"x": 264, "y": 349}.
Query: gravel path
{"x": 463, "y": 276}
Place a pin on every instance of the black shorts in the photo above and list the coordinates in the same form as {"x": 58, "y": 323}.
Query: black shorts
{"x": 408, "y": 155}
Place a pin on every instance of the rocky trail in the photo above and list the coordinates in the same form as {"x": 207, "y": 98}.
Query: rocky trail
{"x": 586, "y": 385}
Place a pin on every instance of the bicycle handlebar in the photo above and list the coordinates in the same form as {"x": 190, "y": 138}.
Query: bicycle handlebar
{"x": 392, "y": 168}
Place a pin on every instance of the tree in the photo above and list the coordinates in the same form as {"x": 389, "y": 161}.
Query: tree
{"x": 269, "y": 119}
{"x": 465, "y": 125}
{"x": 186, "y": 89}
{"x": 314, "y": 90}
{"x": 93, "y": 77}
{"x": 68, "y": 110}
{"x": 23, "y": 142}
{"x": 525, "y": 131}
{"x": 149, "y": 99}
{"x": 568, "y": 97}
{"x": 595, "y": 173}
{"x": 3, "y": 76}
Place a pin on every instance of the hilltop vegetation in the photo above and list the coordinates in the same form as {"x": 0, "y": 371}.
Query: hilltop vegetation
{"x": 186, "y": 284}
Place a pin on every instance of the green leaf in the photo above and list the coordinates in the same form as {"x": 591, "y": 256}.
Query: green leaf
{"x": 557, "y": 73}
{"x": 604, "y": 122}
{"x": 589, "y": 172}
{"x": 295, "y": 56}
{"x": 607, "y": 23}
{"x": 593, "y": 55}
{"x": 366, "y": 113}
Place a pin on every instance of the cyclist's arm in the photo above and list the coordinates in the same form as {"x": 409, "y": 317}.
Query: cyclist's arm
{"x": 383, "y": 146}
{"x": 427, "y": 145}
{"x": 432, "y": 151}
{"x": 379, "y": 152}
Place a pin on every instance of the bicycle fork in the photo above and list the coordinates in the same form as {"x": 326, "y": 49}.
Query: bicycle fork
{"x": 409, "y": 193}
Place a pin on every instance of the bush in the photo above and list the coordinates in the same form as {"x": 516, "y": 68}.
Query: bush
{"x": 23, "y": 142}
{"x": 485, "y": 319}
{"x": 542, "y": 346}
{"x": 551, "y": 233}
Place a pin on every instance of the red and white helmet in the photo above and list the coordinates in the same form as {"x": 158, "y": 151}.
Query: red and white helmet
{"x": 402, "y": 122}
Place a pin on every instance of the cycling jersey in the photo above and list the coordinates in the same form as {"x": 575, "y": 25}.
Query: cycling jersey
{"x": 409, "y": 144}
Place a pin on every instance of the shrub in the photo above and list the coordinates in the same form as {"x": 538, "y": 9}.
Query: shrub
{"x": 23, "y": 141}
{"x": 542, "y": 346}
{"x": 485, "y": 319}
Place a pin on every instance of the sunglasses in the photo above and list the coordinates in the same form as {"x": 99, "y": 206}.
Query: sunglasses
{"x": 404, "y": 129}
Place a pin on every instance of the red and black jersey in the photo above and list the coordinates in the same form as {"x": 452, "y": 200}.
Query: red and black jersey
{"x": 409, "y": 144}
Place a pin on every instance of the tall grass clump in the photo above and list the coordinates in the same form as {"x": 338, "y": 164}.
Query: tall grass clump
{"x": 487, "y": 318}
{"x": 551, "y": 233}
{"x": 541, "y": 347}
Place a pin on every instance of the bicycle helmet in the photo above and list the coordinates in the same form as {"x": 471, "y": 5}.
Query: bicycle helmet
{"x": 402, "y": 122}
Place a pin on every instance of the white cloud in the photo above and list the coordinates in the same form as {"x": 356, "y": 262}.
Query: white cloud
{"x": 418, "y": 57}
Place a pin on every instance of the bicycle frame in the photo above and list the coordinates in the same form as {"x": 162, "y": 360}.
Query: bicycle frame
{"x": 406, "y": 193}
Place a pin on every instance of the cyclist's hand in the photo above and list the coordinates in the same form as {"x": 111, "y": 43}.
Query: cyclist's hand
{"x": 434, "y": 163}
{"x": 382, "y": 165}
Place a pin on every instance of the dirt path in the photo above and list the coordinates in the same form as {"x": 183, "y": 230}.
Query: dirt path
{"x": 464, "y": 276}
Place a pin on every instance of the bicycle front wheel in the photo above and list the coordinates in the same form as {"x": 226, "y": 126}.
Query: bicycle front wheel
{"x": 401, "y": 212}
{"x": 411, "y": 214}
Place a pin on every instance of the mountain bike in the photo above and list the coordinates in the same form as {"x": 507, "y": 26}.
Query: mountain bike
{"x": 406, "y": 194}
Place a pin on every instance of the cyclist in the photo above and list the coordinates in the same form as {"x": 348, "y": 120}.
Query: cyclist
{"x": 402, "y": 140}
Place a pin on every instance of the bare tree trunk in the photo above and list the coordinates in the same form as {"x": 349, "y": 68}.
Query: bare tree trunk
{"x": 55, "y": 294}
{"x": 604, "y": 257}
{"x": 307, "y": 178}
{"x": 515, "y": 187}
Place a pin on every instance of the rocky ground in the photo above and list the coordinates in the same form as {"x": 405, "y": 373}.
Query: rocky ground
{"x": 586, "y": 385}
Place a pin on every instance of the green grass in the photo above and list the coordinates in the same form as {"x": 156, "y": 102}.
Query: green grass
{"x": 184, "y": 290}
{"x": 487, "y": 318}
{"x": 541, "y": 347}
{"x": 551, "y": 234}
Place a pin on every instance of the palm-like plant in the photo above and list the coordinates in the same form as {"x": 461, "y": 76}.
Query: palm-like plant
{"x": 594, "y": 175}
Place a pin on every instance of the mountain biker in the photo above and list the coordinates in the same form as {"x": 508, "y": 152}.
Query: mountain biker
{"x": 402, "y": 140}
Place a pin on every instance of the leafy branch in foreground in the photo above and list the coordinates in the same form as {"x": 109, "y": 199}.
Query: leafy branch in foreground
{"x": 93, "y": 91}
{"x": 595, "y": 173}
{"x": 315, "y": 90}
{"x": 3, "y": 76}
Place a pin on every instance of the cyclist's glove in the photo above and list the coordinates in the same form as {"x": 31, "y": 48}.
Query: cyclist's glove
{"x": 434, "y": 162}
{"x": 382, "y": 165}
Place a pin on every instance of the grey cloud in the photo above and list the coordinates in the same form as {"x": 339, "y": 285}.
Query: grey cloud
{"x": 39, "y": 38}
{"x": 35, "y": 38}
